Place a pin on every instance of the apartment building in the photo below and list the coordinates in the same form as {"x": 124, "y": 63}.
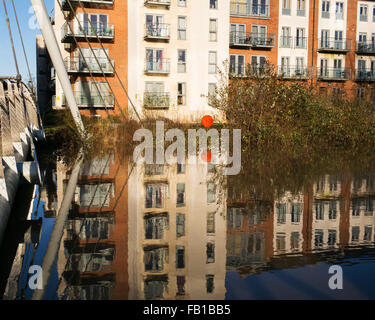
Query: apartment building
{"x": 101, "y": 25}
{"x": 177, "y": 233}
{"x": 177, "y": 49}
{"x": 92, "y": 259}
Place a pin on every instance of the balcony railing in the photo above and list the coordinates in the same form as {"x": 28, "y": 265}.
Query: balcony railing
{"x": 334, "y": 74}
{"x": 333, "y": 45}
{"x": 249, "y": 70}
{"x": 366, "y": 48}
{"x": 78, "y": 65}
{"x": 161, "y": 66}
{"x": 364, "y": 75}
{"x": 255, "y": 40}
{"x": 286, "y": 42}
{"x": 103, "y": 31}
{"x": 159, "y": 31}
{"x": 85, "y": 100}
{"x": 156, "y": 100}
{"x": 294, "y": 72}
{"x": 88, "y": 3}
{"x": 164, "y": 3}
{"x": 300, "y": 43}
{"x": 245, "y": 10}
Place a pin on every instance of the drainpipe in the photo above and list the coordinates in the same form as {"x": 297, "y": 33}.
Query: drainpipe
{"x": 57, "y": 60}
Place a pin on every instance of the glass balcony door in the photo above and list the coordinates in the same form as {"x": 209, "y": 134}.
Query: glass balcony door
{"x": 154, "y": 25}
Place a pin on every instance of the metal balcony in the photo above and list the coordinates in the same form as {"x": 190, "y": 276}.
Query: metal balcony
{"x": 286, "y": 42}
{"x": 158, "y": 3}
{"x": 154, "y": 32}
{"x": 294, "y": 73}
{"x": 333, "y": 74}
{"x": 105, "y": 33}
{"x": 300, "y": 43}
{"x": 253, "y": 40}
{"x": 161, "y": 66}
{"x": 86, "y": 100}
{"x": 88, "y": 3}
{"x": 366, "y": 48}
{"x": 156, "y": 100}
{"x": 364, "y": 75}
{"x": 78, "y": 66}
{"x": 249, "y": 70}
{"x": 331, "y": 45}
{"x": 245, "y": 10}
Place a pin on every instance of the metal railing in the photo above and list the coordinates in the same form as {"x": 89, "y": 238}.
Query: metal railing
{"x": 331, "y": 44}
{"x": 158, "y": 2}
{"x": 333, "y": 74}
{"x": 251, "y": 39}
{"x": 156, "y": 100}
{"x": 248, "y": 70}
{"x": 286, "y": 42}
{"x": 88, "y": 3}
{"x": 157, "y": 31}
{"x": 85, "y": 100}
{"x": 78, "y": 65}
{"x": 104, "y": 31}
{"x": 366, "y": 47}
{"x": 244, "y": 9}
{"x": 300, "y": 42}
{"x": 158, "y": 66}
{"x": 294, "y": 72}
{"x": 364, "y": 75}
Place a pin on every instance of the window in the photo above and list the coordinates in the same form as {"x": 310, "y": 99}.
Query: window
{"x": 180, "y": 257}
{"x": 182, "y": 3}
{"x": 153, "y": 169}
{"x": 96, "y": 195}
{"x": 361, "y": 93}
{"x": 155, "y": 194}
{"x": 181, "y": 168}
{"x": 92, "y": 92}
{"x": 237, "y": 64}
{"x": 281, "y": 212}
{"x": 319, "y": 211}
{"x": 180, "y": 286}
{"x": 180, "y": 225}
{"x": 213, "y": 4}
{"x": 355, "y": 234}
{"x": 154, "y": 259}
{"x": 181, "y": 94}
{"x": 211, "y": 192}
{"x": 213, "y": 30}
{"x": 280, "y": 241}
{"x": 180, "y": 194}
{"x": 258, "y": 64}
{"x": 369, "y": 204}
{"x": 339, "y": 43}
{"x": 318, "y": 238}
{"x": 323, "y": 72}
{"x": 332, "y": 183}
{"x": 211, "y": 90}
{"x": 300, "y": 66}
{"x": 336, "y": 92}
{"x": 238, "y": 34}
{"x": 285, "y": 37}
{"x": 339, "y": 10}
{"x": 154, "y": 227}
{"x": 363, "y": 12}
{"x": 212, "y": 61}
{"x": 181, "y": 65}
{"x": 373, "y": 14}
{"x": 301, "y": 8}
{"x": 332, "y": 213}
{"x": 211, "y": 222}
{"x": 332, "y": 237}
{"x": 181, "y": 31}
{"x": 210, "y": 283}
{"x": 154, "y": 289}
{"x": 296, "y": 212}
{"x": 210, "y": 252}
{"x": 300, "y": 38}
{"x": 234, "y": 218}
{"x": 367, "y": 236}
{"x": 99, "y": 24}
{"x": 155, "y": 60}
{"x": 325, "y": 9}
{"x": 356, "y": 208}
{"x": 294, "y": 241}
{"x": 286, "y": 7}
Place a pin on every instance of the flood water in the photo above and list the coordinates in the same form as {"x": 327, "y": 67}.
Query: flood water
{"x": 188, "y": 232}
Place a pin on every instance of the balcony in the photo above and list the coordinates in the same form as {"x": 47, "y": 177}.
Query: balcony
{"x": 85, "y": 100}
{"x": 156, "y": 100}
{"x": 286, "y": 42}
{"x": 294, "y": 73}
{"x": 245, "y": 10}
{"x": 366, "y": 48}
{"x": 253, "y": 40}
{"x": 331, "y": 45}
{"x": 158, "y": 3}
{"x": 300, "y": 43}
{"x": 364, "y": 75}
{"x": 333, "y": 74}
{"x": 105, "y": 33}
{"x": 161, "y": 66}
{"x": 88, "y": 3}
{"x": 248, "y": 71}
{"x": 78, "y": 66}
{"x": 157, "y": 32}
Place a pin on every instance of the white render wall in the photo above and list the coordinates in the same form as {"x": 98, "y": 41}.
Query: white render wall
{"x": 197, "y": 46}
{"x": 294, "y": 21}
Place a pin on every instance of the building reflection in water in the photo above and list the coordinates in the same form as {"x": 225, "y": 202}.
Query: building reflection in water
{"x": 174, "y": 231}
